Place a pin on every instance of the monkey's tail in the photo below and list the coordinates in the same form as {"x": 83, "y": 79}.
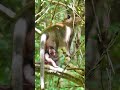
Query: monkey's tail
{"x": 42, "y": 58}
{"x": 17, "y": 60}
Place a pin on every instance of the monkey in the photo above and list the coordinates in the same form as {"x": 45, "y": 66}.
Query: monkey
{"x": 51, "y": 56}
{"x": 23, "y": 46}
{"x": 28, "y": 64}
{"x": 29, "y": 76}
{"x": 58, "y": 35}
{"x": 23, "y": 52}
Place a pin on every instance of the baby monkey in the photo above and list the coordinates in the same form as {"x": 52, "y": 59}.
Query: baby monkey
{"x": 51, "y": 56}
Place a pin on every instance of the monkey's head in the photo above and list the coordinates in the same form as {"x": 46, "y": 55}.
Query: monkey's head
{"x": 72, "y": 19}
{"x": 51, "y": 51}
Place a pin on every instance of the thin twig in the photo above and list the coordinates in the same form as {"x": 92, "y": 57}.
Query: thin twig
{"x": 38, "y": 31}
{"x": 97, "y": 21}
{"x": 110, "y": 62}
{"x": 36, "y": 21}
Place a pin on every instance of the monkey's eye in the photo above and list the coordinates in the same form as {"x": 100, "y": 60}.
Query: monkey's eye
{"x": 76, "y": 15}
{"x": 51, "y": 53}
{"x": 68, "y": 16}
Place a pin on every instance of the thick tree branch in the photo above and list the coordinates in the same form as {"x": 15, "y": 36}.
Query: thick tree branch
{"x": 62, "y": 74}
{"x": 7, "y": 11}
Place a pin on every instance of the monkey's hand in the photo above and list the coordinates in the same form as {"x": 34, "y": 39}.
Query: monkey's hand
{"x": 29, "y": 74}
{"x": 56, "y": 66}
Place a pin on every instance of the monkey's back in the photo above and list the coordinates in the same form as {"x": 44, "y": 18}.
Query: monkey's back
{"x": 56, "y": 34}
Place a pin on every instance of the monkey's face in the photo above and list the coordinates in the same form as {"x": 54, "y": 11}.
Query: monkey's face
{"x": 52, "y": 52}
{"x": 72, "y": 19}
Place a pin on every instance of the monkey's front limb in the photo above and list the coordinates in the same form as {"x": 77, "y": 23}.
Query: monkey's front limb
{"x": 50, "y": 60}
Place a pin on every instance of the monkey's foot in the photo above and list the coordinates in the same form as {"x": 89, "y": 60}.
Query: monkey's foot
{"x": 57, "y": 69}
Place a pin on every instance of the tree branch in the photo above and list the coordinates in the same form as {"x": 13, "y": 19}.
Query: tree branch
{"x": 60, "y": 72}
{"x": 13, "y": 15}
{"x": 38, "y": 31}
{"x": 7, "y": 11}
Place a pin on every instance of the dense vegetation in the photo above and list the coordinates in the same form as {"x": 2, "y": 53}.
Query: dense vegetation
{"x": 47, "y": 13}
{"x": 102, "y": 57}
